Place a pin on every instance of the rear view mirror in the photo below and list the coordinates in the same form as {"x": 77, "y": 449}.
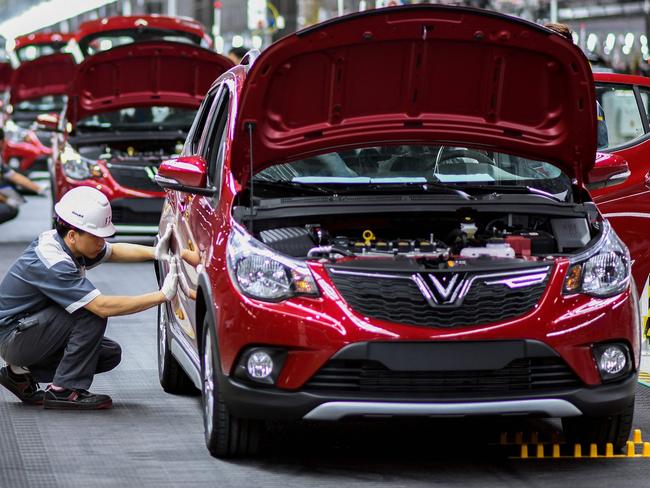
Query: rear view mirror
{"x": 609, "y": 170}
{"x": 187, "y": 174}
{"x": 47, "y": 122}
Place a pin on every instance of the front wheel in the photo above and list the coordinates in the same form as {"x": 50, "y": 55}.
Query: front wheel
{"x": 614, "y": 429}
{"x": 173, "y": 378}
{"x": 225, "y": 434}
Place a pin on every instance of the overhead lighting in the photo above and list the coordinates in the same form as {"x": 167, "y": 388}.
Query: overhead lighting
{"x": 237, "y": 41}
{"x": 46, "y": 14}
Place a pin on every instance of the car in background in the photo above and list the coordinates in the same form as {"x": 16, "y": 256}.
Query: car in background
{"x": 6, "y": 71}
{"x": 37, "y": 87}
{"x": 128, "y": 109}
{"x": 625, "y": 100}
{"x": 32, "y": 46}
{"x": 363, "y": 233}
{"x": 100, "y": 35}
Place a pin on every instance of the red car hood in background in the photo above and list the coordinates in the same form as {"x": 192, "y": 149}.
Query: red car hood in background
{"x": 47, "y": 75}
{"x": 420, "y": 74}
{"x": 6, "y": 71}
{"x": 141, "y": 74}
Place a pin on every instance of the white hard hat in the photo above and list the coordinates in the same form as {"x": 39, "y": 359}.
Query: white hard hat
{"x": 87, "y": 209}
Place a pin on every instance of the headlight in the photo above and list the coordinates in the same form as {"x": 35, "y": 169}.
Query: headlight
{"x": 262, "y": 274}
{"x": 606, "y": 272}
{"x": 77, "y": 167}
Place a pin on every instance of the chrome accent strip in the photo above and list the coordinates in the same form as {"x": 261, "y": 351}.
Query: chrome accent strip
{"x": 551, "y": 407}
{"x": 369, "y": 275}
{"x": 186, "y": 363}
{"x": 521, "y": 281}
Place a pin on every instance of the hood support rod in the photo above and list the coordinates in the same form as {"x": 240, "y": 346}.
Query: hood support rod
{"x": 250, "y": 126}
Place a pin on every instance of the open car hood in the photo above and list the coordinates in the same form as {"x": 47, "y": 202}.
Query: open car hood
{"x": 152, "y": 73}
{"x": 47, "y": 75}
{"x": 6, "y": 71}
{"x": 419, "y": 74}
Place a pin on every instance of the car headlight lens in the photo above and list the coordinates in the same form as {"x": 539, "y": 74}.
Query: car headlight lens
{"x": 262, "y": 274}
{"x": 77, "y": 167}
{"x": 604, "y": 273}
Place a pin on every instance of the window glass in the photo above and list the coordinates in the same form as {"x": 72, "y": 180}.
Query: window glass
{"x": 140, "y": 118}
{"x": 48, "y": 103}
{"x": 33, "y": 51}
{"x": 215, "y": 140}
{"x": 200, "y": 121}
{"x": 645, "y": 98}
{"x": 620, "y": 112}
{"x": 103, "y": 41}
{"x": 383, "y": 166}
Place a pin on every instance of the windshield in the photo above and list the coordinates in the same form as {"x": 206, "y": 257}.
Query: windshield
{"x": 140, "y": 118}
{"x": 103, "y": 41}
{"x": 383, "y": 167}
{"x": 48, "y": 103}
{"x": 33, "y": 51}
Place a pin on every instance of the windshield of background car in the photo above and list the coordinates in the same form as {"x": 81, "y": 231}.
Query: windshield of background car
{"x": 383, "y": 167}
{"x": 33, "y": 51}
{"x": 103, "y": 41}
{"x": 48, "y": 103}
{"x": 140, "y": 118}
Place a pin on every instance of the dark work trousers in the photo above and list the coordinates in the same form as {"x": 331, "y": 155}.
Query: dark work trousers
{"x": 62, "y": 348}
{"x": 7, "y": 212}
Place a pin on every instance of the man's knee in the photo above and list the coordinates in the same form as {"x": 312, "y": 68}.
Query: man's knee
{"x": 7, "y": 213}
{"x": 110, "y": 355}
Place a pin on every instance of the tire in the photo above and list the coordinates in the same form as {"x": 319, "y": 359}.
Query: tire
{"x": 173, "y": 378}
{"x": 225, "y": 435}
{"x": 614, "y": 429}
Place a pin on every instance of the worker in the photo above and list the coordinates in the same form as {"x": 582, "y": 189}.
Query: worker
{"x": 9, "y": 198}
{"x": 53, "y": 319}
{"x": 236, "y": 54}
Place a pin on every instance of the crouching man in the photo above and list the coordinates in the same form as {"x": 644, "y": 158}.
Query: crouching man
{"x": 52, "y": 318}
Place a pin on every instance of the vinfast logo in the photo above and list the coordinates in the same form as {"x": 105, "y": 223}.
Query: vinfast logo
{"x": 442, "y": 288}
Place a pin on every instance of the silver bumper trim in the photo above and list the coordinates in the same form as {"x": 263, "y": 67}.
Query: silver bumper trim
{"x": 550, "y": 407}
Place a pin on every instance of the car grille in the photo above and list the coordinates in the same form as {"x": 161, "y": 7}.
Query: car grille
{"x": 400, "y": 300}
{"x": 523, "y": 374}
{"x": 136, "y": 177}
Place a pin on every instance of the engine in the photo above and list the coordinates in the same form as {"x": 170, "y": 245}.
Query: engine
{"x": 510, "y": 236}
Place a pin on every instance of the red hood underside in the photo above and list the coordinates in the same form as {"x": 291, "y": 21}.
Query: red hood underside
{"x": 47, "y": 75}
{"x": 420, "y": 74}
{"x": 152, "y": 73}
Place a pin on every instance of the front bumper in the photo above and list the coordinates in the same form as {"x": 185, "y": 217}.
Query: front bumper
{"x": 436, "y": 379}
{"x": 137, "y": 215}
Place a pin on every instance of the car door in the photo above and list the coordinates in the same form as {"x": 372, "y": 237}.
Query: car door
{"x": 624, "y": 101}
{"x": 195, "y": 222}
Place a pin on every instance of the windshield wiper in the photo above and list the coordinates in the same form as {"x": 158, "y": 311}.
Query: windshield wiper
{"x": 293, "y": 186}
{"x": 511, "y": 189}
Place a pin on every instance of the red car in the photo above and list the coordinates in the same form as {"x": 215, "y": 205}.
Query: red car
{"x": 625, "y": 100}
{"x": 100, "y": 35}
{"x": 33, "y": 46}
{"x": 386, "y": 215}
{"x": 128, "y": 109}
{"x": 37, "y": 87}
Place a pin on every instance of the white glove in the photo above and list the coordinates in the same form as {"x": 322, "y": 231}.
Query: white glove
{"x": 169, "y": 287}
{"x": 161, "y": 252}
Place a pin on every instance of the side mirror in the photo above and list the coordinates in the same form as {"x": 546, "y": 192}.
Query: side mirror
{"x": 609, "y": 170}
{"x": 187, "y": 174}
{"x": 48, "y": 122}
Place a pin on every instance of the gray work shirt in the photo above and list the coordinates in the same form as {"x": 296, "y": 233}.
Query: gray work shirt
{"x": 46, "y": 273}
{"x": 5, "y": 172}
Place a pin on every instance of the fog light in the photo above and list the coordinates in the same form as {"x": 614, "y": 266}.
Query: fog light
{"x": 259, "y": 365}
{"x": 613, "y": 360}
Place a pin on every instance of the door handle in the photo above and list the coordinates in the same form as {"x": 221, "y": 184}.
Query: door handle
{"x": 646, "y": 180}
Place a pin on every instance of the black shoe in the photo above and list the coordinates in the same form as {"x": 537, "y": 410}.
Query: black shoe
{"x": 21, "y": 385}
{"x": 76, "y": 400}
